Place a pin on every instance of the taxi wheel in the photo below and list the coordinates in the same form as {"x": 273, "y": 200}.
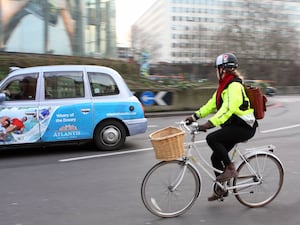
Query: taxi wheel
{"x": 109, "y": 135}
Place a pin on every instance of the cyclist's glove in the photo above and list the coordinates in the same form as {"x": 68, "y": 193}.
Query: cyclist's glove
{"x": 189, "y": 120}
{"x": 205, "y": 126}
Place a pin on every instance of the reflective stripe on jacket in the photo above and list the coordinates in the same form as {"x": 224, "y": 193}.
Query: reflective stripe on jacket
{"x": 232, "y": 97}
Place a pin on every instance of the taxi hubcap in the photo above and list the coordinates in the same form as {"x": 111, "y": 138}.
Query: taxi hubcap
{"x": 111, "y": 135}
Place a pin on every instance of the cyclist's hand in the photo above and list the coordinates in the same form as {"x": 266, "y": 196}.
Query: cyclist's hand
{"x": 201, "y": 128}
{"x": 189, "y": 120}
{"x": 205, "y": 126}
{"x": 193, "y": 118}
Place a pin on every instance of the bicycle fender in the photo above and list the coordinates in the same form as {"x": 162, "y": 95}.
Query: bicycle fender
{"x": 199, "y": 176}
{"x": 251, "y": 153}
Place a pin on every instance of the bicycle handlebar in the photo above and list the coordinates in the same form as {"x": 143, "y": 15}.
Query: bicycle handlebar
{"x": 193, "y": 129}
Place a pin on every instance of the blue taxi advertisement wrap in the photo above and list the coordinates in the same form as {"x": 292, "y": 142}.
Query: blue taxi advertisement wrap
{"x": 53, "y": 104}
{"x": 68, "y": 123}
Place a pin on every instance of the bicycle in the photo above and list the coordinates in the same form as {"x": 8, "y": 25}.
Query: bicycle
{"x": 170, "y": 188}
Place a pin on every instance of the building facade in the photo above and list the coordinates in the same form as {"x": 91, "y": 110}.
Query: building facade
{"x": 195, "y": 31}
{"x": 64, "y": 27}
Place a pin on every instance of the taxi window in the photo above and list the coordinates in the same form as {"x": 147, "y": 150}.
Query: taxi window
{"x": 102, "y": 84}
{"x": 22, "y": 87}
{"x": 64, "y": 84}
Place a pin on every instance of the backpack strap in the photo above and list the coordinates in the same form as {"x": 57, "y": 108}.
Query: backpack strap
{"x": 245, "y": 104}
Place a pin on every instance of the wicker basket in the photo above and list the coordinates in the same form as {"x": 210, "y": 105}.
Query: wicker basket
{"x": 168, "y": 143}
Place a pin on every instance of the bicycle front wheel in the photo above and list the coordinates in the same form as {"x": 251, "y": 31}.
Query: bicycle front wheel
{"x": 170, "y": 188}
{"x": 259, "y": 179}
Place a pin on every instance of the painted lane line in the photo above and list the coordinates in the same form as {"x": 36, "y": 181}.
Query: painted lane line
{"x": 104, "y": 155}
{"x": 280, "y": 128}
{"x": 112, "y": 154}
{"x": 147, "y": 149}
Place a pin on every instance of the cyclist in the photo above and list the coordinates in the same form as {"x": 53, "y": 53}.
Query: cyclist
{"x": 232, "y": 112}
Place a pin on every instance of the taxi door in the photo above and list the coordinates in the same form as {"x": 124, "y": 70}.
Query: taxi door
{"x": 65, "y": 114}
{"x": 18, "y": 123}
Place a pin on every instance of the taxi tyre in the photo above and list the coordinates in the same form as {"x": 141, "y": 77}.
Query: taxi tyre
{"x": 109, "y": 135}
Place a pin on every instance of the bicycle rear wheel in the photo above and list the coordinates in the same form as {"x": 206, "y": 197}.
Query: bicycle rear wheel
{"x": 157, "y": 188}
{"x": 265, "y": 172}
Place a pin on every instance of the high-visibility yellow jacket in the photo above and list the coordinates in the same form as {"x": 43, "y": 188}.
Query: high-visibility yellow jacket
{"x": 232, "y": 98}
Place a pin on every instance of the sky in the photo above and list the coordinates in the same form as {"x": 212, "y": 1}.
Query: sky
{"x": 127, "y": 12}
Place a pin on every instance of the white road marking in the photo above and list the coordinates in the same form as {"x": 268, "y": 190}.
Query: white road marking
{"x": 104, "y": 155}
{"x": 148, "y": 149}
{"x": 113, "y": 153}
{"x": 280, "y": 128}
{"x": 152, "y": 126}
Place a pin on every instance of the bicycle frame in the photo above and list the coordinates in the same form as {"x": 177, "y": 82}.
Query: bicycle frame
{"x": 195, "y": 158}
{"x": 170, "y": 188}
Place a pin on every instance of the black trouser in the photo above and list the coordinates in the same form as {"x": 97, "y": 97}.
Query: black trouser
{"x": 223, "y": 140}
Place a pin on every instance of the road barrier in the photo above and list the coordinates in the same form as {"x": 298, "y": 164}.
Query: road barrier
{"x": 187, "y": 99}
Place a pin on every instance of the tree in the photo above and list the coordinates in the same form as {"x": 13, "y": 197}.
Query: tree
{"x": 265, "y": 50}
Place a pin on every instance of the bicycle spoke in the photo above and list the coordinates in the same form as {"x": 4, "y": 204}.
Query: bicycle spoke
{"x": 259, "y": 180}
{"x": 159, "y": 195}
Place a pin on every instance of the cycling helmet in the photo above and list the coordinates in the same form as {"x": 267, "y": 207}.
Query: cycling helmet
{"x": 226, "y": 60}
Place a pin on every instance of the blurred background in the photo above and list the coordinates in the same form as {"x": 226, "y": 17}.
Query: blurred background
{"x": 171, "y": 39}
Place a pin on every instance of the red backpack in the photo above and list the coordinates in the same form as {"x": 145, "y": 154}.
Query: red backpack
{"x": 257, "y": 101}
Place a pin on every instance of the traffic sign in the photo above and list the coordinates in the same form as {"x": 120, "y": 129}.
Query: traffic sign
{"x": 148, "y": 98}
